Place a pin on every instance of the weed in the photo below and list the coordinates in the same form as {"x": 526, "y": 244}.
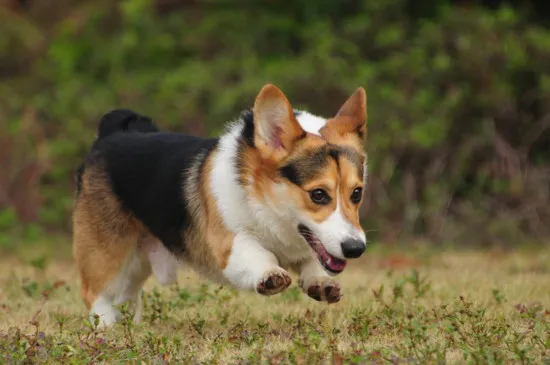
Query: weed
{"x": 498, "y": 296}
{"x": 405, "y": 317}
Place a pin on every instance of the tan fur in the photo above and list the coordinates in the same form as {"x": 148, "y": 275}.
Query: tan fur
{"x": 274, "y": 145}
{"x": 347, "y": 128}
{"x": 339, "y": 131}
{"x": 340, "y": 180}
{"x": 103, "y": 234}
{"x": 349, "y": 180}
{"x": 328, "y": 180}
{"x": 208, "y": 246}
{"x": 262, "y": 172}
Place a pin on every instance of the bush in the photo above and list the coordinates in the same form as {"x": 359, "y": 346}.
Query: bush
{"x": 459, "y": 103}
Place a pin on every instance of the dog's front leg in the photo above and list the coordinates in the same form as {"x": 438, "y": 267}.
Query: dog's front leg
{"x": 250, "y": 266}
{"x": 316, "y": 283}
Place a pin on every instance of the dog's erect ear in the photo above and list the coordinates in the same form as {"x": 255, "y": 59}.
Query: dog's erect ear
{"x": 352, "y": 116}
{"x": 275, "y": 126}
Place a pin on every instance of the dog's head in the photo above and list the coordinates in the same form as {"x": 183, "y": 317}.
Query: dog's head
{"x": 311, "y": 172}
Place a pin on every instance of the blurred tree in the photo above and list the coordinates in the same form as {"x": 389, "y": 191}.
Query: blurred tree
{"x": 459, "y": 97}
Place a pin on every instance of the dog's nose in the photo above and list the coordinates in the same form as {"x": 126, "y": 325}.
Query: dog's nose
{"x": 353, "y": 248}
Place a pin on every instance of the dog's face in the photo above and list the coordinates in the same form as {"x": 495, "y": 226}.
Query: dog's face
{"x": 313, "y": 170}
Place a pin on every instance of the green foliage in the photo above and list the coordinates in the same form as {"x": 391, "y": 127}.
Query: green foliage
{"x": 458, "y": 100}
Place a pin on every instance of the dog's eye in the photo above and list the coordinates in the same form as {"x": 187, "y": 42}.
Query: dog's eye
{"x": 319, "y": 196}
{"x": 356, "y": 195}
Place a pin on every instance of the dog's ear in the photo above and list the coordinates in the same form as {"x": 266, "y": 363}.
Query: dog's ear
{"x": 275, "y": 126}
{"x": 352, "y": 116}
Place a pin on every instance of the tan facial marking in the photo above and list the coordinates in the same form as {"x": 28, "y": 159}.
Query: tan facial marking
{"x": 281, "y": 143}
{"x": 328, "y": 181}
{"x": 350, "y": 178}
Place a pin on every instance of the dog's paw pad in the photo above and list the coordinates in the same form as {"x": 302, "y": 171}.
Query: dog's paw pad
{"x": 327, "y": 291}
{"x": 274, "y": 283}
{"x": 332, "y": 293}
{"x": 314, "y": 292}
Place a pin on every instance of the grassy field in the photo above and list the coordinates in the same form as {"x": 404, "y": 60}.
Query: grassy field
{"x": 398, "y": 307}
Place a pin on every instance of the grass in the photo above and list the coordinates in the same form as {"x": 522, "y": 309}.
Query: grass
{"x": 421, "y": 307}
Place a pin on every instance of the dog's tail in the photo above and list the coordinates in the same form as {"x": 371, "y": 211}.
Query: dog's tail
{"x": 124, "y": 120}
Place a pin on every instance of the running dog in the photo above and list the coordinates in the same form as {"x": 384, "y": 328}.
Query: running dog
{"x": 279, "y": 190}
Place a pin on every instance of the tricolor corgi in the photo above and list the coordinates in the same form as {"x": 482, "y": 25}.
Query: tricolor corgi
{"x": 279, "y": 190}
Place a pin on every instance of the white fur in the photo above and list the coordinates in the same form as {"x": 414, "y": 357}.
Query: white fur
{"x": 125, "y": 287}
{"x": 273, "y": 230}
{"x": 239, "y": 212}
{"x": 191, "y": 186}
{"x": 248, "y": 262}
{"x": 164, "y": 264}
{"x": 103, "y": 307}
{"x": 266, "y": 232}
{"x": 335, "y": 230}
{"x": 312, "y": 268}
{"x": 310, "y": 123}
{"x": 266, "y": 236}
{"x": 224, "y": 181}
{"x": 262, "y": 238}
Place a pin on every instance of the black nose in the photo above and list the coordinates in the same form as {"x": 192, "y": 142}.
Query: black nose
{"x": 353, "y": 248}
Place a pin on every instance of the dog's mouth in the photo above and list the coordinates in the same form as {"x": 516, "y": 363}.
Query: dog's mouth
{"x": 329, "y": 262}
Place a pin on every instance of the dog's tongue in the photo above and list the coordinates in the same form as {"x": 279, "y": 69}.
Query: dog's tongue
{"x": 333, "y": 263}
{"x": 336, "y": 264}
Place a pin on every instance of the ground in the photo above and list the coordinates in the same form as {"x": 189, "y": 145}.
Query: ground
{"x": 400, "y": 305}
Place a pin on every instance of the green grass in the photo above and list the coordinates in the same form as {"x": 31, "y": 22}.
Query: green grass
{"x": 422, "y": 307}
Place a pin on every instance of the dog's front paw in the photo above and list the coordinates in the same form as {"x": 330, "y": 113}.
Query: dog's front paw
{"x": 273, "y": 282}
{"x": 322, "y": 289}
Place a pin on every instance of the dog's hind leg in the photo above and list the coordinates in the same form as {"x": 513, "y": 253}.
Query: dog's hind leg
{"x": 112, "y": 274}
{"x": 106, "y": 240}
{"x": 163, "y": 263}
{"x": 125, "y": 287}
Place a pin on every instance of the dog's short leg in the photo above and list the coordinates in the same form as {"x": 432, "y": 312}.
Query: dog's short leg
{"x": 103, "y": 307}
{"x": 163, "y": 263}
{"x": 125, "y": 287}
{"x": 252, "y": 267}
{"x": 106, "y": 308}
{"x": 317, "y": 284}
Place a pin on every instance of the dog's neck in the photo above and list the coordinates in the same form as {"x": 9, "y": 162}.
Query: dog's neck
{"x": 239, "y": 210}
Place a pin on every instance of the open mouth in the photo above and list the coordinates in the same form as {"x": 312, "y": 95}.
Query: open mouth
{"x": 329, "y": 262}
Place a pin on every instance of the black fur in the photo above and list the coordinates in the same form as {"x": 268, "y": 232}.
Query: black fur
{"x": 124, "y": 120}
{"x": 307, "y": 167}
{"x": 248, "y": 130}
{"x": 247, "y": 140}
{"x": 299, "y": 171}
{"x": 291, "y": 173}
{"x": 147, "y": 171}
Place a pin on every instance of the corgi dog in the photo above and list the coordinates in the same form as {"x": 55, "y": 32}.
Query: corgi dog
{"x": 279, "y": 190}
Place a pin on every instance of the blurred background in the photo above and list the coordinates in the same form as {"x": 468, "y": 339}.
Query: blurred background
{"x": 458, "y": 99}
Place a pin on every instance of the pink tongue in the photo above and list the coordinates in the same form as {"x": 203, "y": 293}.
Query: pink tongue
{"x": 336, "y": 264}
{"x": 332, "y": 262}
